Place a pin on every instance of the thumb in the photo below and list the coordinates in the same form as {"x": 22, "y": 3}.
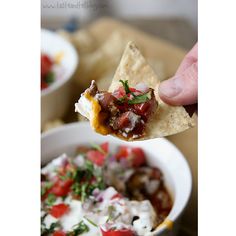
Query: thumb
{"x": 182, "y": 89}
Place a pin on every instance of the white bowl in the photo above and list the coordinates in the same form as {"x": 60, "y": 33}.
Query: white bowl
{"x": 160, "y": 152}
{"x": 56, "y": 99}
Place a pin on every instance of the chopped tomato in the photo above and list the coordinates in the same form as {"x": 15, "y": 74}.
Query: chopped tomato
{"x": 134, "y": 90}
{"x": 61, "y": 187}
{"x": 46, "y": 64}
{"x": 119, "y": 93}
{"x": 123, "y": 232}
{"x": 138, "y": 157}
{"x": 117, "y": 195}
{"x": 105, "y": 147}
{"x": 59, "y": 210}
{"x": 123, "y": 152}
{"x": 96, "y": 157}
{"x": 66, "y": 167}
{"x": 145, "y": 109}
{"x": 59, "y": 233}
{"x": 43, "y": 84}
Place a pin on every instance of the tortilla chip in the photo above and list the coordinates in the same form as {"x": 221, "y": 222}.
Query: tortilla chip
{"x": 106, "y": 58}
{"x": 158, "y": 67}
{"x": 82, "y": 40}
{"x": 167, "y": 120}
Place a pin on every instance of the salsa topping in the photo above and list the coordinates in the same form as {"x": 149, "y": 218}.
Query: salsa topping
{"x": 99, "y": 192}
{"x": 125, "y": 111}
{"x": 47, "y": 74}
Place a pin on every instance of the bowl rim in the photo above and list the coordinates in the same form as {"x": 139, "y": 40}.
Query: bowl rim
{"x": 174, "y": 215}
{"x": 61, "y": 82}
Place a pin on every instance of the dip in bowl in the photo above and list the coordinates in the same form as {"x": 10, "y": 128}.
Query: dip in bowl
{"x": 60, "y": 61}
{"x": 171, "y": 184}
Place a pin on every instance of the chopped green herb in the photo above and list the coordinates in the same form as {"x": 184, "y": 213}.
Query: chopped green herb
{"x": 83, "y": 186}
{"x": 140, "y": 98}
{"x": 126, "y": 86}
{"x": 89, "y": 166}
{"x": 62, "y": 177}
{"x": 97, "y": 147}
{"x": 84, "y": 191}
{"x": 50, "y": 199}
{"x": 76, "y": 188}
{"x": 68, "y": 175}
{"x": 136, "y": 98}
{"x": 122, "y": 99}
{"x": 79, "y": 229}
{"x": 111, "y": 210}
{"x": 91, "y": 222}
{"x": 50, "y": 77}
{"x": 46, "y": 186}
{"x": 45, "y": 231}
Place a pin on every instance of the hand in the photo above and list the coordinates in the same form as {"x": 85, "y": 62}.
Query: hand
{"x": 182, "y": 89}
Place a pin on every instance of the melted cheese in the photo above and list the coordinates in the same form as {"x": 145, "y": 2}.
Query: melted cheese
{"x": 95, "y": 118}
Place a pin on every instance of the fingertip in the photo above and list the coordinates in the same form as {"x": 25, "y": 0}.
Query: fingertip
{"x": 169, "y": 90}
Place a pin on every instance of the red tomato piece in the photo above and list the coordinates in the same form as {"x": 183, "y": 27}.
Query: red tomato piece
{"x": 119, "y": 93}
{"x": 59, "y": 210}
{"x": 43, "y": 84}
{"x": 136, "y": 154}
{"x": 117, "y": 195}
{"x": 46, "y": 64}
{"x": 123, "y": 152}
{"x": 123, "y": 232}
{"x": 138, "y": 157}
{"x": 145, "y": 109}
{"x": 59, "y": 233}
{"x": 61, "y": 187}
{"x": 105, "y": 147}
{"x": 96, "y": 157}
{"x": 134, "y": 90}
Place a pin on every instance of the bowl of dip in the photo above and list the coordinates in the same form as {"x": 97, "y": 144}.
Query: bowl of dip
{"x": 59, "y": 61}
{"x": 160, "y": 155}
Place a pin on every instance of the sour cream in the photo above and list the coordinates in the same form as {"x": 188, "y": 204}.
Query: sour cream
{"x": 83, "y": 106}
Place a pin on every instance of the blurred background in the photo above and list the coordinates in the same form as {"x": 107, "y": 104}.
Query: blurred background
{"x": 99, "y": 30}
{"x": 174, "y": 20}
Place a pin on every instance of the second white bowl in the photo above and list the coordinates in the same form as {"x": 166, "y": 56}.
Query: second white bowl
{"x": 160, "y": 152}
{"x": 55, "y": 100}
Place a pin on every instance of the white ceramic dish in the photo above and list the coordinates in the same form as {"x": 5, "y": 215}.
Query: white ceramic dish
{"x": 160, "y": 152}
{"x": 56, "y": 98}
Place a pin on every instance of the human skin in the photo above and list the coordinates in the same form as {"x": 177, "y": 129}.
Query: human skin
{"x": 182, "y": 88}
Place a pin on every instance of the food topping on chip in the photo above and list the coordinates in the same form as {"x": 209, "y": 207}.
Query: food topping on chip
{"x": 131, "y": 109}
{"x": 124, "y": 111}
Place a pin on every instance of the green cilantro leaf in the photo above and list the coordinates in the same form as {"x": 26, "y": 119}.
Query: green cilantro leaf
{"x": 82, "y": 185}
{"x": 126, "y": 86}
{"x": 111, "y": 209}
{"x": 90, "y": 221}
{"x": 97, "y": 147}
{"x": 45, "y": 187}
{"x": 79, "y": 229}
{"x": 140, "y": 98}
{"x": 50, "y": 78}
{"x": 45, "y": 231}
{"x": 50, "y": 199}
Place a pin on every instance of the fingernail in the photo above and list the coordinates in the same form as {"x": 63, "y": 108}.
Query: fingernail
{"x": 170, "y": 88}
